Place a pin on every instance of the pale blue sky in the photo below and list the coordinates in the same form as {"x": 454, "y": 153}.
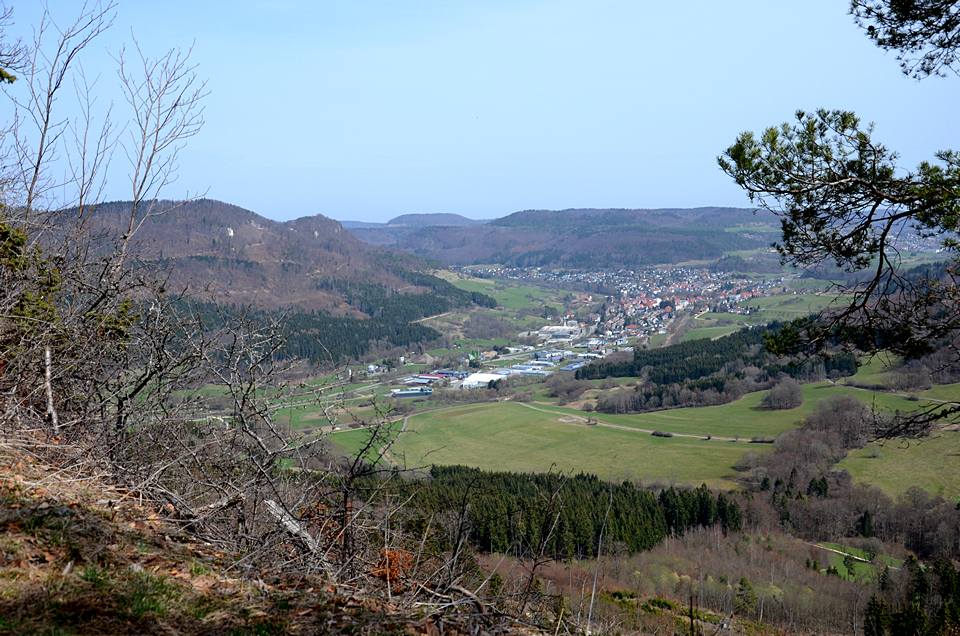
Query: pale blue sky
{"x": 365, "y": 110}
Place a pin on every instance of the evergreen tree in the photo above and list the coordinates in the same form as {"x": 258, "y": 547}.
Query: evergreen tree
{"x": 865, "y": 525}
{"x": 909, "y": 621}
{"x": 876, "y": 617}
{"x": 919, "y": 587}
{"x": 746, "y": 598}
{"x": 850, "y": 565}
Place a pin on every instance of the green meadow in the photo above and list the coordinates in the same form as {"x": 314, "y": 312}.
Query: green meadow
{"x": 709, "y": 318}
{"x": 945, "y": 392}
{"x": 509, "y": 436}
{"x": 798, "y": 284}
{"x": 789, "y": 306}
{"x": 885, "y": 560}
{"x": 656, "y": 339}
{"x": 932, "y": 463}
{"x": 513, "y": 436}
{"x": 743, "y": 418}
{"x": 510, "y": 295}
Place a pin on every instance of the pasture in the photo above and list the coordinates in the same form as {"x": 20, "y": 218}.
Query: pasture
{"x": 743, "y": 418}
{"x": 532, "y": 437}
{"x": 509, "y": 436}
{"x": 710, "y": 318}
{"x": 513, "y": 295}
{"x": 932, "y": 463}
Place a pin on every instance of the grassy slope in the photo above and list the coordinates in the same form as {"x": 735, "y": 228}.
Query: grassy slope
{"x": 931, "y": 463}
{"x": 82, "y": 556}
{"x": 78, "y": 557}
{"x": 744, "y": 417}
{"x": 790, "y": 306}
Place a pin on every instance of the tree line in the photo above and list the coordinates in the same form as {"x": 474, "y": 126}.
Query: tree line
{"x": 706, "y": 372}
{"x": 688, "y": 360}
{"x": 563, "y": 517}
{"x": 798, "y": 488}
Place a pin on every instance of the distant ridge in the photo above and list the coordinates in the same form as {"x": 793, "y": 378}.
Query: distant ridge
{"x": 349, "y": 225}
{"x": 416, "y": 220}
{"x": 581, "y": 238}
{"x": 391, "y": 233}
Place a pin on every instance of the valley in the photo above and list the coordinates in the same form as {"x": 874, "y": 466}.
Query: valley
{"x": 532, "y": 430}
{"x": 514, "y": 408}
{"x": 485, "y": 390}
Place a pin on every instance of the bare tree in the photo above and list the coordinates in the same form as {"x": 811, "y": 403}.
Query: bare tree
{"x": 786, "y": 394}
{"x": 98, "y": 354}
{"x": 38, "y": 129}
{"x": 165, "y": 98}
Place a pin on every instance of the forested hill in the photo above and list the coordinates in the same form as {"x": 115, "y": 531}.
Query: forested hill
{"x": 239, "y": 257}
{"x": 589, "y": 238}
{"x": 322, "y": 338}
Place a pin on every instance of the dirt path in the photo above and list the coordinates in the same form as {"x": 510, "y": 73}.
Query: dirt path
{"x": 853, "y": 556}
{"x": 903, "y": 395}
{"x": 446, "y": 313}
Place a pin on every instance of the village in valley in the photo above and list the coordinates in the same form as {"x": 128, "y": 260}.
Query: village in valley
{"x": 642, "y": 305}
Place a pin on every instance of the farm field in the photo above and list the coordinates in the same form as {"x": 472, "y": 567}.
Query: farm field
{"x": 872, "y": 370}
{"x": 800, "y": 284}
{"x": 517, "y": 437}
{"x": 949, "y": 392}
{"x": 511, "y": 295}
{"x": 712, "y": 316}
{"x": 508, "y": 436}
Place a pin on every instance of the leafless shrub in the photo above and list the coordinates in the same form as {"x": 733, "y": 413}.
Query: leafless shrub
{"x": 786, "y": 394}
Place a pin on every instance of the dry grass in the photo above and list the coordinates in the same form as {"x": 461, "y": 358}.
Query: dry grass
{"x": 82, "y": 555}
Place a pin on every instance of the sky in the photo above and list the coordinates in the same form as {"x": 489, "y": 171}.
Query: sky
{"x": 366, "y": 110}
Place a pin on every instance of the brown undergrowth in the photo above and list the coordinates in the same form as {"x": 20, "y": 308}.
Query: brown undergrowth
{"x": 80, "y": 555}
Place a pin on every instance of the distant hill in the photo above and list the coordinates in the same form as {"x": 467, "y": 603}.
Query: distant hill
{"x": 237, "y": 256}
{"x": 390, "y": 234}
{"x": 587, "y": 238}
{"x": 350, "y": 225}
{"x": 426, "y": 220}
